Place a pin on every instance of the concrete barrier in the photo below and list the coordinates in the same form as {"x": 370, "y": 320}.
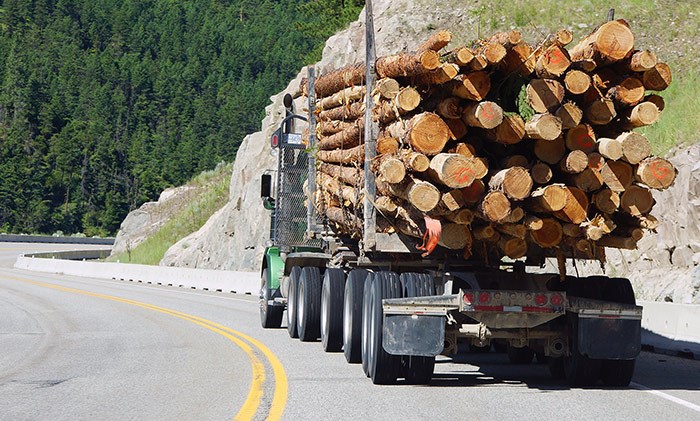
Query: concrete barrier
{"x": 205, "y": 279}
{"x": 672, "y": 327}
{"x": 11, "y": 238}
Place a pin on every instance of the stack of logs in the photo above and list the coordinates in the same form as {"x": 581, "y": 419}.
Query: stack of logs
{"x": 514, "y": 148}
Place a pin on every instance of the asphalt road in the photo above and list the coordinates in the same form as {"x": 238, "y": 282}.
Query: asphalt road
{"x": 79, "y": 348}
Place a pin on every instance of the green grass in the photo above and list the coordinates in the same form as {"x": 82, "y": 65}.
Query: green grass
{"x": 212, "y": 189}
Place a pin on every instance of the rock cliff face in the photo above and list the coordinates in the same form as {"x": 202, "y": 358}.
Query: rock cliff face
{"x": 665, "y": 267}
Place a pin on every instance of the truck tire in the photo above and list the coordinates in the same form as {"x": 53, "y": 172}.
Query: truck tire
{"x": 309, "y": 304}
{"x": 352, "y": 315}
{"x": 292, "y": 300}
{"x": 364, "y": 350}
{"x": 417, "y": 369}
{"x": 383, "y": 367}
{"x": 522, "y": 355}
{"x": 617, "y": 373}
{"x": 332, "y": 293}
{"x": 270, "y": 316}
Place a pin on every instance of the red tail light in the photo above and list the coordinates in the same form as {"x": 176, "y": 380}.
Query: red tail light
{"x": 468, "y": 297}
{"x": 540, "y": 299}
{"x": 484, "y": 297}
{"x": 556, "y": 299}
{"x": 275, "y": 140}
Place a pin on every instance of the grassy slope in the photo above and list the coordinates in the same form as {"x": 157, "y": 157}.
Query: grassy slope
{"x": 209, "y": 192}
{"x": 669, "y": 28}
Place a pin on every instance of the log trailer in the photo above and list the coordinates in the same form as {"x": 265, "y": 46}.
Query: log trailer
{"x": 379, "y": 301}
{"x": 384, "y": 305}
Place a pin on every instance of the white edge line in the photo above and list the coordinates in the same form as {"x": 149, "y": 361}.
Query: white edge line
{"x": 666, "y": 396}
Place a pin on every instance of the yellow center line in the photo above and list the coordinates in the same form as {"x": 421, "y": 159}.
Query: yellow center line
{"x": 252, "y": 403}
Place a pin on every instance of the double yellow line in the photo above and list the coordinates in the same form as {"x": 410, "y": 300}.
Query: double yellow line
{"x": 252, "y": 403}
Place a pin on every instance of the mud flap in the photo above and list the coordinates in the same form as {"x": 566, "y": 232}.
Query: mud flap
{"x": 413, "y": 335}
{"x": 609, "y": 339}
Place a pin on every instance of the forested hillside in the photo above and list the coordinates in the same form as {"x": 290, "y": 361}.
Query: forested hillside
{"x": 104, "y": 103}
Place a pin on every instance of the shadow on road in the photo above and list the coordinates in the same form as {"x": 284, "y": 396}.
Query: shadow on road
{"x": 655, "y": 371}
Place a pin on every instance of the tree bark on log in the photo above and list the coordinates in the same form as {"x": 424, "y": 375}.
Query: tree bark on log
{"x": 327, "y": 128}
{"x": 343, "y": 97}
{"x": 349, "y": 112}
{"x": 353, "y": 176}
{"x": 402, "y": 65}
{"x": 337, "y": 80}
{"x": 354, "y": 155}
{"x": 443, "y": 74}
{"x": 436, "y": 42}
{"x": 348, "y": 138}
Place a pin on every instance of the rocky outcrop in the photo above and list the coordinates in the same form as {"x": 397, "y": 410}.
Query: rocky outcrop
{"x": 149, "y": 218}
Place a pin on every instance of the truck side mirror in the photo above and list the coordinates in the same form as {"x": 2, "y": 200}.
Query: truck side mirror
{"x": 266, "y": 185}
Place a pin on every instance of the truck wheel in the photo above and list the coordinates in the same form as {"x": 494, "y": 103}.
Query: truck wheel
{"x": 292, "y": 300}
{"x": 309, "y": 304}
{"x": 366, "y": 313}
{"x": 270, "y": 316}
{"x": 522, "y": 355}
{"x": 617, "y": 373}
{"x": 417, "y": 369}
{"x": 352, "y": 315}
{"x": 383, "y": 367}
{"x": 332, "y": 293}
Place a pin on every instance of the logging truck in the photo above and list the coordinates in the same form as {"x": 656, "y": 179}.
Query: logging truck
{"x": 418, "y": 209}
{"x": 384, "y": 305}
